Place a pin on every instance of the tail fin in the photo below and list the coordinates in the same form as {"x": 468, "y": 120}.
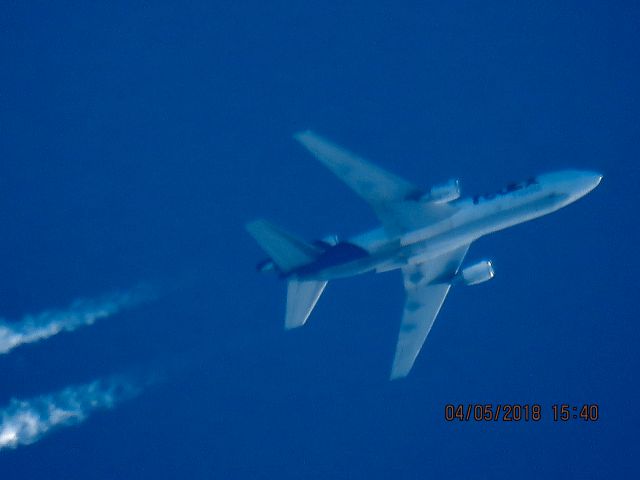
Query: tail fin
{"x": 302, "y": 296}
{"x": 287, "y": 251}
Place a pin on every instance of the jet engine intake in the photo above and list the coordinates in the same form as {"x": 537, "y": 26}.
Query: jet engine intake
{"x": 446, "y": 192}
{"x": 477, "y": 273}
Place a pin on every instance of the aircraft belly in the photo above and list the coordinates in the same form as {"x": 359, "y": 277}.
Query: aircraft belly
{"x": 345, "y": 270}
{"x": 506, "y": 218}
{"x": 342, "y": 260}
{"x": 470, "y": 226}
{"x": 414, "y": 248}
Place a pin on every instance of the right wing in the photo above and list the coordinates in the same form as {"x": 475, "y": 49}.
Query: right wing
{"x": 392, "y": 198}
{"x": 426, "y": 286}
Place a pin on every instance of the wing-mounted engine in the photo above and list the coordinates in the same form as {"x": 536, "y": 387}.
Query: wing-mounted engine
{"x": 444, "y": 193}
{"x": 477, "y": 273}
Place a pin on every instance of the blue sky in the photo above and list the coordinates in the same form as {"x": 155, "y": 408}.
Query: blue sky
{"x": 138, "y": 138}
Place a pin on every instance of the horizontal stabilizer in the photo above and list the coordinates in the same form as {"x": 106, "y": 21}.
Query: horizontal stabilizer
{"x": 287, "y": 251}
{"x": 302, "y": 296}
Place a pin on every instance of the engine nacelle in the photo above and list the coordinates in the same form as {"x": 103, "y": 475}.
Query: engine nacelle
{"x": 477, "y": 273}
{"x": 446, "y": 192}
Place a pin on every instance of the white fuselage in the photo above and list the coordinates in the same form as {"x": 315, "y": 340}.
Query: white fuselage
{"x": 475, "y": 217}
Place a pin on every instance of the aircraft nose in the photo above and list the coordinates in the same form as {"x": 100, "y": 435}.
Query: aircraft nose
{"x": 585, "y": 181}
{"x": 597, "y": 178}
{"x": 591, "y": 180}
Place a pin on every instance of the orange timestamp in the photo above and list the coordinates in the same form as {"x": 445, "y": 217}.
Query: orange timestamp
{"x": 519, "y": 412}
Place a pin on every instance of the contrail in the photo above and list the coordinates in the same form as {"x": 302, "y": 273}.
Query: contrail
{"x": 23, "y": 422}
{"x": 33, "y": 328}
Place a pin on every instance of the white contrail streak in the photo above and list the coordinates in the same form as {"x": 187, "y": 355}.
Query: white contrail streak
{"x": 23, "y": 422}
{"x": 33, "y": 328}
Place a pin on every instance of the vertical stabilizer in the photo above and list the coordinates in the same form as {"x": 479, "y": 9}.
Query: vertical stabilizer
{"x": 302, "y": 296}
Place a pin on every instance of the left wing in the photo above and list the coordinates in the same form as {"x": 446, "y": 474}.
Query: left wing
{"x": 426, "y": 286}
{"x": 392, "y": 198}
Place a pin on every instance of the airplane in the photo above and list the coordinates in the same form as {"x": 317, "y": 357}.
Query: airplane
{"x": 424, "y": 233}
